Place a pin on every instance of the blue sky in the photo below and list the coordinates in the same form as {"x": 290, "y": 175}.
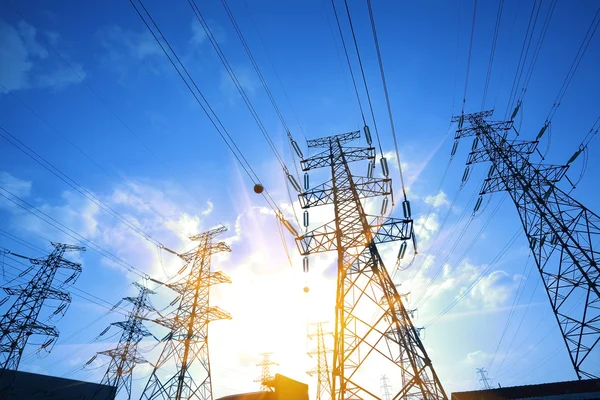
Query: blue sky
{"x": 117, "y": 120}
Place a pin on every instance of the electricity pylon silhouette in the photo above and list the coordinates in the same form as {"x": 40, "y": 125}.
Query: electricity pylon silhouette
{"x": 485, "y": 381}
{"x": 126, "y": 355}
{"x": 386, "y": 388}
{"x": 322, "y": 370}
{"x": 21, "y": 320}
{"x": 373, "y": 330}
{"x": 266, "y": 378}
{"x": 187, "y": 343}
{"x": 562, "y": 233}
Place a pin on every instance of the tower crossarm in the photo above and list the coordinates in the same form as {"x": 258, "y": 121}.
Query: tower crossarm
{"x": 562, "y": 234}
{"x": 51, "y": 294}
{"x": 383, "y": 230}
{"x": 365, "y": 187}
{"x": 326, "y": 141}
{"x": 323, "y": 159}
{"x": 219, "y": 277}
{"x": 216, "y": 313}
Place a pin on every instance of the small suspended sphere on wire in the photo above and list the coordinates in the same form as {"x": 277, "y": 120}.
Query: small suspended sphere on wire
{"x": 306, "y": 289}
{"x": 258, "y": 188}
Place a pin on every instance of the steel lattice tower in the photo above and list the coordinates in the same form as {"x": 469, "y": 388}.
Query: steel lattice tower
{"x": 126, "y": 355}
{"x": 322, "y": 370}
{"x": 373, "y": 330}
{"x": 562, "y": 233}
{"x": 386, "y": 388}
{"x": 187, "y": 343}
{"x": 266, "y": 379}
{"x": 485, "y": 381}
{"x": 21, "y": 320}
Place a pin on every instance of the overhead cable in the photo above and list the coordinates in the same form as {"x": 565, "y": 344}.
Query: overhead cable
{"x": 387, "y": 97}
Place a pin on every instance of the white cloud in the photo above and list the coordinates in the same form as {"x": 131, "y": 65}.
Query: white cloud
{"x": 16, "y": 186}
{"x": 24, "y": 61}
{"x": 438, "y": 200}
{"x": 198, "y": 34}
{"x": 246, "y": 78}
{"x": 127, "y": 51}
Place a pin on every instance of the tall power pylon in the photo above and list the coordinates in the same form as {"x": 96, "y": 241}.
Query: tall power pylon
{"x": 322, "y": 370}
{"x": 373, "y": 330}
{"x": 562, "y": 233}
{"x": 485, "y": 381}
{"x": 187, "y": 344}
{"x": 266, "y": 378}
{"x": 21, "y": 320}
{"x": 126, "y": 355}
{"x": 386, "y": 388}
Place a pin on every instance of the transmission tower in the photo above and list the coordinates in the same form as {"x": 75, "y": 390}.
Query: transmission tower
{"x": 187, "y": 341}
{"x": 485, "y": 381}
{"x": 322, "y": 370}
{"x": 386, "y": 388}
{"x": 126, "y": 355}
{"x": 561, "y": 231}
{"x": 265, "y": 374}
{"x": 21, "y": 320}
{"x": 373, "y": 330}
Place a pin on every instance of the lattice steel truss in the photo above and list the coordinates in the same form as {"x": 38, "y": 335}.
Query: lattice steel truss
{"x": 266, "y": 380}
{"x": 373, "y": 330}
{"x": 21, "y": 320}
{"x": 322, "y": 369}
{"x": 563, "y": 234}
{"x": 126, "y": 355}
{"x": 187, "y": 343}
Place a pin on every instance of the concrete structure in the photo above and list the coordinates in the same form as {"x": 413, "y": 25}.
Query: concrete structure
{"x": 284, "y": 388}
{"x": 571, "y": 390}
{"x": 26, "y": 385}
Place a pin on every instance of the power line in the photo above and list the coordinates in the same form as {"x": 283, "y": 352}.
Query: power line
{"x": 275, "y": 70}
{"x": 80, "y": 150}
{"x": 469, "y": 57}
{"x": 575, "y": 65}
{"x": 511, "y": 314}
{"x": 476, "y": 281}
{"x": 492, "y": 52}
{"x": 237, "y": 83}
{"x": 387, "y": 98}
{"x": 204, "y": 104}
{"x": 104, "y": 103}
{"x": 362, "y": 71}
{"x": 523, "y": 57}
{"x": 337, "y": 20}
{"x": 69, "y": 232}
{"x": 9, "y": 137}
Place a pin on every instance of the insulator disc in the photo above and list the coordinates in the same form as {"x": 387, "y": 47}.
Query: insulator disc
{"x": 294, "y": 183}
{"x": 368, "y": 135}
{"x": 406, "y": 209}
{"x": 454, "y": 147}
{"x": 297, "y": 149}
{"x": 384, "y": 167}
{"x": 402, "y": 250}
{"x": 384, "y": 205}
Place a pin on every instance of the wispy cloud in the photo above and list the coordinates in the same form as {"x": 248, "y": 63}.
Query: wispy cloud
{"x": 25, "y": 62}
{"x": 19, "y": 187}
{"x": 438, "y": 200}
